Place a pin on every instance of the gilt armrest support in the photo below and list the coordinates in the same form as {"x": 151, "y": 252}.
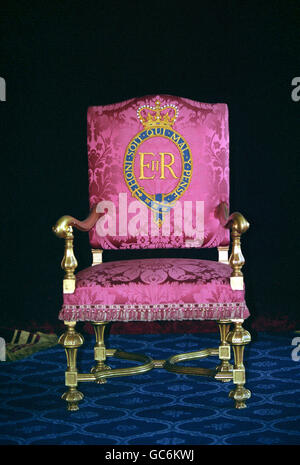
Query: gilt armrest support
{"x": 238, "y": 225}
{"x": 64, "y": 229}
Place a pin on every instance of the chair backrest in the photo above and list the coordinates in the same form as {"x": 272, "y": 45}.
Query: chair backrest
{"x": 158, "y": 169}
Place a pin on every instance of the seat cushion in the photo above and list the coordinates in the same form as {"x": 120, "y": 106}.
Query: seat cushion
{"x": 154, "y": 289}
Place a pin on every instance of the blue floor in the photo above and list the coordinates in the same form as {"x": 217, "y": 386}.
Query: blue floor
{"x": 157, "y": 408}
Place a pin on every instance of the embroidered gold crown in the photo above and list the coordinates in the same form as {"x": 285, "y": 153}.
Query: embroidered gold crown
{"x": 157, "y": 116}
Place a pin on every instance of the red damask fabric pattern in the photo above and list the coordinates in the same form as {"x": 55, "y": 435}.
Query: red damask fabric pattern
{"x": 154, "y": 289}
{"x": 204, "y": 127}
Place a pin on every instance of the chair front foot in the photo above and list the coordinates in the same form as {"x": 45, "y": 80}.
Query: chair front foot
{"x": 72, "y": 397}
{"x": 240, "y": 394}
{"x": 239, "y": 337}
{"x": 71, "y": 340}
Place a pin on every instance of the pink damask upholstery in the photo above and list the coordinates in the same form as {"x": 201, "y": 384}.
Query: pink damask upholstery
{"x": 158, "y": 169}
{"x": 154, "y": 289}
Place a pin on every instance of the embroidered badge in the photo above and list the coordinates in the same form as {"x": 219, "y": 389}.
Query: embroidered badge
{"x": 158, "y": 178}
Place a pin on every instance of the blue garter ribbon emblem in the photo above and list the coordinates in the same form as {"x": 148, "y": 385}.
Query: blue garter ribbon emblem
{"x": 158, "y": 123}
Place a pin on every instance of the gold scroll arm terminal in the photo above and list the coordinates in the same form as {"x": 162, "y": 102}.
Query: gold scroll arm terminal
{"x": 238, "y": 225}
{"x": 64, "y": 229}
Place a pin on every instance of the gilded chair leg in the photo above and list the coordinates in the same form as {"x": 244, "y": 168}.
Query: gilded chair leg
{"x": 224, "y": 370}
{"x": 239, "y": 337}
{"x": 71, "y": 340}
{"x": 100, "y": 350}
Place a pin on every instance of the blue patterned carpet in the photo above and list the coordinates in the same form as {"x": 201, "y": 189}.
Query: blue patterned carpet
{"x": 157, "y": 408}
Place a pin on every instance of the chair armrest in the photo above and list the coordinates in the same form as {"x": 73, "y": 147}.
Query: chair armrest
{"x": 236, "y": 221}
{"x": 238, "y": 225}
{"x": 65, "y": 222}
{"x": 64, "y": 228}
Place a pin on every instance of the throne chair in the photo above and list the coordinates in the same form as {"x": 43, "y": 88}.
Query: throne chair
{"x": 158, "y": 171}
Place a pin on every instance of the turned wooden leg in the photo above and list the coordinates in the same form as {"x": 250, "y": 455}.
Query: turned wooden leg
{"x": 71, "y": 340}
{"x": 224, "y": 370}
{"x": 238, "y": 338}
{"x": 100, "y": 350}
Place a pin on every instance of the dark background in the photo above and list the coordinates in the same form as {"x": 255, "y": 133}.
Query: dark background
{"x": 60, "y": 57}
